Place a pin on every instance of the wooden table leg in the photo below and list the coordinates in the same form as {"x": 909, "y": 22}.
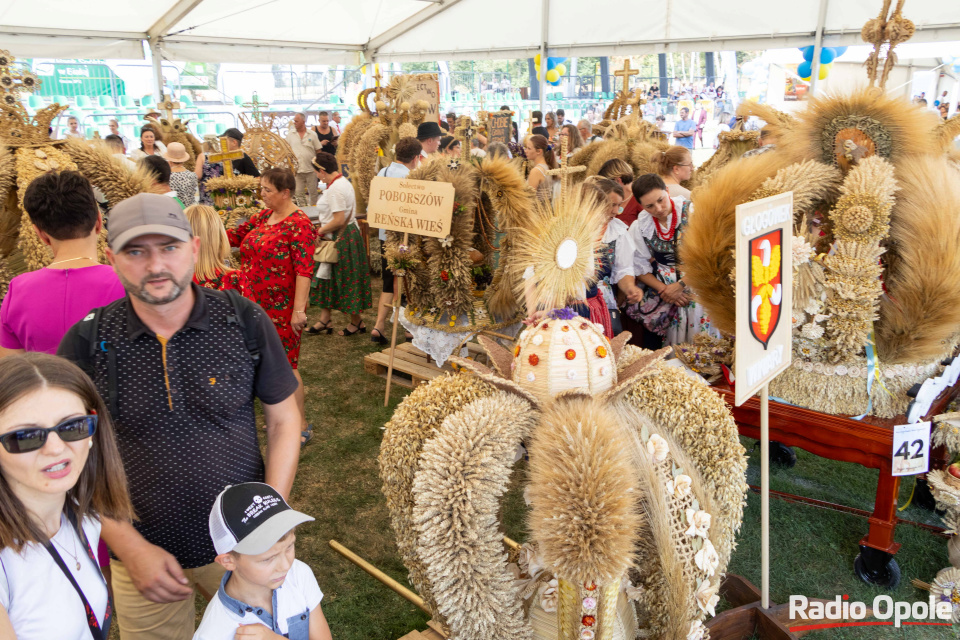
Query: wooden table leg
{"x": 883, "y": 521}
{"x": 875, "y": 564}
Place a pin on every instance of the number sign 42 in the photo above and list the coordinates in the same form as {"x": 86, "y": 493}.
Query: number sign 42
{"x": 911, "y": 449}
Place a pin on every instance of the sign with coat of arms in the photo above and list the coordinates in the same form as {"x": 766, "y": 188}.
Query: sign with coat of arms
{"x": 764, "y": 287}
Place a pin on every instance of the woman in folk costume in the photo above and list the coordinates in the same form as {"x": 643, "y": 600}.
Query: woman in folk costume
{"x": 667, "y": 309}
{"x": 614, "y": 259}
{"x": 348, "y": 288}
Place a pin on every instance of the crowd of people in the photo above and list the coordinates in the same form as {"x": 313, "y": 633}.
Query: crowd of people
{"x": 130, "y": 465}
{"x": 186, "y": 327}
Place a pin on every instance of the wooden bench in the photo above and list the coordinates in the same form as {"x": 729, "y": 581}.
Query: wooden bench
{"x": 411, "y": 366}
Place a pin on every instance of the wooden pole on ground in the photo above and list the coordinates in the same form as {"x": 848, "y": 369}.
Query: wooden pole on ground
{"x": 393, "y": 334}
{"x": 494, "y": 334}
{"x": 401, "y": 590}
{"x": 765, "y": 496}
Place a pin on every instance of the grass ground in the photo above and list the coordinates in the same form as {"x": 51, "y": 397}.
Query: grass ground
{"x": 812, "y": 550}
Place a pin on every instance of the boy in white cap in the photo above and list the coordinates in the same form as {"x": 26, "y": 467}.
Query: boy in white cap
{"x": 266, "y": 593}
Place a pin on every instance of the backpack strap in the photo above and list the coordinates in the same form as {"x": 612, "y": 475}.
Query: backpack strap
{"x": 89, "y": 332}
{"x": 242, "y": 316}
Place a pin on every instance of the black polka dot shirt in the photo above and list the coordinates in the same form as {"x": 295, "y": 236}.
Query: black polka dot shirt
{"x": 185, "y": 418}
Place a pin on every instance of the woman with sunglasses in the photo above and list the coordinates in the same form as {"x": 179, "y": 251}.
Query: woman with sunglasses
{"x": 60, "y": 472}
{"x": 674, "y": 165}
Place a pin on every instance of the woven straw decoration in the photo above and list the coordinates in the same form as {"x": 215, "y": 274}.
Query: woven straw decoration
{"x": 568, "y": 610}
{"x": 559, "y": 355}
{"x": 570, "y": 613}
{"x": 606, "y": 610}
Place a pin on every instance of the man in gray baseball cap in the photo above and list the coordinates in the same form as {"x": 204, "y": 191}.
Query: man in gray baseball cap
{"x": 179, "y": 366}
{"x": 144, "y": 214}
{"x": 152, "y": 248}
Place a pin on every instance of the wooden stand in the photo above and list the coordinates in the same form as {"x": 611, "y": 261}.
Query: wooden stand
{"x": 867, "y": 442}
{"x": 432, "y": 632}
{"x": 414, "y": 366}
{"x": 749, "y": 619}
{"x": 397, "y": 297}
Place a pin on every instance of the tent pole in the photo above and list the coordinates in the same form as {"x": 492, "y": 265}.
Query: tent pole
{"x": 817, "y": 47}
{"x": 154, "y": 45}
{"x": 544, "y": 34}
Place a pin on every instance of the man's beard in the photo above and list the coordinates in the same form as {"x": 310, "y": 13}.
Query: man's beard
{"x": 140, "y": 291}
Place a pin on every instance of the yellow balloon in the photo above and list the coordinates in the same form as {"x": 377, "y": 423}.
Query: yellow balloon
{"x": 824, "y": 72}
{"x": 553, "y": 75}
{"x": 536, "y": 60}
{"x": 561, "y": 69}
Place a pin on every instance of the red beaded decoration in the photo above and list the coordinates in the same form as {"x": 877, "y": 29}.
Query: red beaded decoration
{"x": 583, "y": 325}
{"x": 588, "y": 621}
{"x": 545, "y": 325}
{"x": 570, "y": 354}
{"x": 667, "y": 235}
{"x": 566, "y": 327}
{"x": 602, "y": 351}
{"x": 533, "y": 359}
{"x": 590, "y": 586}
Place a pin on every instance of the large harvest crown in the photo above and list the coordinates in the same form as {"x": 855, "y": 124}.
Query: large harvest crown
{"x": 17, "y": 128}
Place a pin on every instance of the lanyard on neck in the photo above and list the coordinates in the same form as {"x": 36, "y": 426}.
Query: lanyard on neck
{"x": 96, "y": 631}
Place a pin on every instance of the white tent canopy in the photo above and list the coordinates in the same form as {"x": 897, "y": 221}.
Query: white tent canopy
{"x": 349, "y": 31}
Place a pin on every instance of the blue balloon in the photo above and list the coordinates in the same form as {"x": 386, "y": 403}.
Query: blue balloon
{"x": 807, "y": 53}
{"x": 827, "y": 55}
{"x": 553, "y": 62}
{"x": 804, "y": 69}
{"x": 840, "y": 51}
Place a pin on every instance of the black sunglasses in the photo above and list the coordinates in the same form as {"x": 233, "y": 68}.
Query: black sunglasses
{"x": 31, "y": 439}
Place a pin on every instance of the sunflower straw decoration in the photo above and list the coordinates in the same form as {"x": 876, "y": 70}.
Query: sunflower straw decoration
{"x": 555, "y": 252}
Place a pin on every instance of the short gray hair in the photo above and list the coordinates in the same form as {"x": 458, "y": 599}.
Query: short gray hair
{"x": 585, "y": 124}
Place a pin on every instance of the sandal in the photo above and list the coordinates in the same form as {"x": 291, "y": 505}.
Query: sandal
{"x": 346, "y": 333}
{"x": 379, "y": 338}
{"x": 307, "y": 436}
{"x": 320, "y": 327}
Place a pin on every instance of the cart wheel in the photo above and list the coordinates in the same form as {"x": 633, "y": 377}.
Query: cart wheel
{"x": 922, "y": 497}
{"x": 780, "y": 454}
{"x": 886, "y": 575}
{"x": 783, "y": 455}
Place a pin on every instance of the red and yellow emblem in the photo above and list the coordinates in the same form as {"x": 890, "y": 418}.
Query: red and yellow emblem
{"x": 766, "y": 290}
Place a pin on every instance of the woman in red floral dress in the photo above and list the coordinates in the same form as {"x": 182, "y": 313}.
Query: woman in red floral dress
{"x": 276, "y": 256}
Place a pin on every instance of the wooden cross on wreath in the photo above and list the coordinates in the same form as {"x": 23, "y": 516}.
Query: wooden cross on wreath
{"x": 167, "y": 105}
{"x": 226, "y": 157}
{"x": 565, "y": 170}
{"x": 625, "y": 73}
{"x": 464, "y": 132}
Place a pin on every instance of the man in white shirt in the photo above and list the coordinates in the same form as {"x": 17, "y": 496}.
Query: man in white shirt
{"x": 586, "y": 132}
{"x": 119, "y": 150}
{"x": 335, "y": 122}
{"x": 305, "y": 145}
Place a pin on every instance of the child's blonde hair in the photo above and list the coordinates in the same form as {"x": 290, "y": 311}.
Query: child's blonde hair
{"x": 214, "y": 244}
